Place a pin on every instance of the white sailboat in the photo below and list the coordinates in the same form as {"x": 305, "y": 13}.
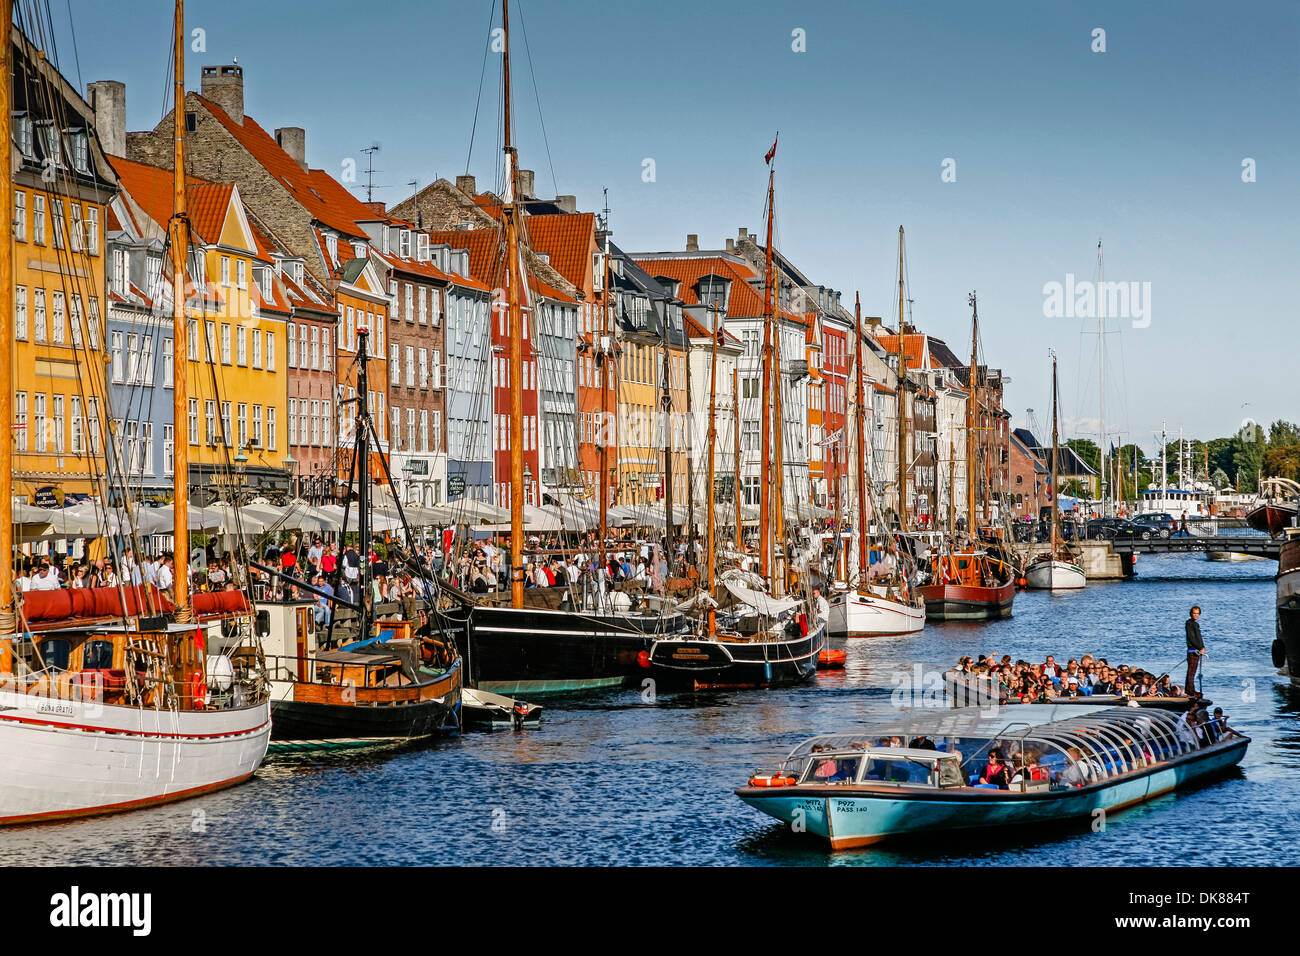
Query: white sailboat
{"x": 1056, "y": 570}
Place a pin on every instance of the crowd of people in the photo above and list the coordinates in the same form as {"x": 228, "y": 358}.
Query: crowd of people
{"x": 1028, "y": 683}
{"x": 49, "y": 573}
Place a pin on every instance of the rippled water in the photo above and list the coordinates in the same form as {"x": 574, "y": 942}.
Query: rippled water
{"x": 610, "y": 779}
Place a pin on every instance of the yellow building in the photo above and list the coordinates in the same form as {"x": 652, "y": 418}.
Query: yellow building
{"x": 62, "y": 183}
{"x": 237, "y": 380}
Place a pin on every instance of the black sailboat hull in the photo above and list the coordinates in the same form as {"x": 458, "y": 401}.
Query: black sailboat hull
{"x": 537, "y": 651}
{"x": 704, "y": 664}
{"x": 293, "y": 720}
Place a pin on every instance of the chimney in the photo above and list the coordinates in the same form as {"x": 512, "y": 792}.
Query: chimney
{"x": 567, "y": 203}
{"x": 466, "y": 185}
{"x": 525, "y": 184}
{"x": 293, "y": 140}
{"x": 744, "y": 233}
{"x": 376, "y": 207}
{"x": 731, "y": 245}
{"x": 108, "y": 100}
{"x": 692, "y": 242}
{"x": 224, "y": 85}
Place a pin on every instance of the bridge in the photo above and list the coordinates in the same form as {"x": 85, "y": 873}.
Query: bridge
{"x": 1239, "y": 544}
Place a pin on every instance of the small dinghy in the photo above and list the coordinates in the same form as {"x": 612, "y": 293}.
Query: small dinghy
{"x": 483, "y": 710}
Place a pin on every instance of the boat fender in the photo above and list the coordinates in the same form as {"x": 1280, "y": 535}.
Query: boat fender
{"x": 1279, "y": 652}
{"x": 643, "y": 659}
{"x": 198, "y": 689}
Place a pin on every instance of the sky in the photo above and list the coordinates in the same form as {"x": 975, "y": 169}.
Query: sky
{"x": 999, "y": 135}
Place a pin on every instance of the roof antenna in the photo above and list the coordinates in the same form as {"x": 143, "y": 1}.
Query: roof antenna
{"x": 415, "y": 194}
{"x": 370, "y": 171}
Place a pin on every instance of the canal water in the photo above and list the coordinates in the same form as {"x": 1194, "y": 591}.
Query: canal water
{"x": 616, "y": 779}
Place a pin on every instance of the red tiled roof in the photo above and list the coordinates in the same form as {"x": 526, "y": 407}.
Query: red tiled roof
{"x": 568, "y": 239}
{"x": 913, "y": 347}
{"x": 696, "y": 329}
{"x": 744, "y": 301}
{"x": 150, "y": 187}
{"x": 487, "y": 259}
{"x": 316, "y": 191}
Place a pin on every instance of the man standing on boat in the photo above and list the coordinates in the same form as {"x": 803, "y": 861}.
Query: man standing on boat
{"x": 821, "y": 606}
{"x": 1195, "y": 649}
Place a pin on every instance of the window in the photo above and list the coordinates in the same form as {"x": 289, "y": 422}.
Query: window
{"x": 325, "y": 422}
{"x": 210, "y": 328}
{"x": 79, "y": 149}
{"x": 38, "y": 219}
{"x": 257, "y": 348}
{"x": 242, "y": 434}
{"x": 422, "y": 248}
{"x": 226, "y": 430}
{"x": 115, "y": 357}
{"x": 59, "y": 224}
{"x": 38, "y": 420}
{"x": 257, "y": 426}
{"x": 241, "y": 346}
{"x": 20, "y": 215}
{"x": 92, "y": 230}
{"x": 58, "y": 319}
{"x": 146, "y": 465}
{"x": 404, "y": 243}
{"x": 424, "y": 367}
{"x": 146, "y": 360}
{"x": 194, "y": 421}
{"x": 293, "y": 422}
{"x": 169, "y": 450}
{"x": 394, "y": 366}
{"x": 225, "y": 343}
{"x": 38, "y": 314}
{"x": 410, "y": 427}
{"x": 437, "y": 429}
{"x": 304, "y": 356}
{"x": 241, "y": 273}
{"x": 270, "y": 351}
{"x": 92, "y": 423}
{"x": 293, "y": 346}
{"x": 349, "y": 330}
{"x": 22, "y": 131}
{"x": 315, "y": 347}
{"x": 225, "y": 270}
{"x": 78, "y": 425}
{"x": 315, "y": 422}
{"x": 332, "y": 247}
{"x": 326, "y": 355}
{"x": 408, "y": 297}
{"x": 749, "y": 439}
{"x": 20, "y": 421}
{"x": 270, "y": 428}
{"x": 76, "y": 321}
{"x": 424, "y": 430}
{"x": 20, "y": 313}
{"x": 410, "y": 366}
{"x": 75, "y": 235}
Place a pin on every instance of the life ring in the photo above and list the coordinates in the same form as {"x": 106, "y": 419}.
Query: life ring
{"x": 1279, "y": 652}
{"x": 772, "y": 781}
{"x": 643, "y": 659}
{"x": 199, "y": 689}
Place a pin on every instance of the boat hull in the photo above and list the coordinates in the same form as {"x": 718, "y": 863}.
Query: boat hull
{"x": 65, "y": 759}
{"x": 1055, "y": 576}
{"x": 1288, "y": 605}
{"x": 846, "y": 819}
{"x": 854, "y": 614}
{"x": 1272, "y": 517}
{"x": 534, "y": 652}
{"x": 964, "y": 602}
{"x": 701, "y": 664}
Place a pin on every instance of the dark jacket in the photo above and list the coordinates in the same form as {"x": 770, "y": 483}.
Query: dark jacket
{"x": 1194, "y": 642}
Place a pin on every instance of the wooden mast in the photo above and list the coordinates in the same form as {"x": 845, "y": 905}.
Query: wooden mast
{"x": 711, "y": 555}
{"x": 605, "y": 358}
{"x": 180, "y": 245}
{"x": 1055, "y": 459}
{"x": 7, "y": 623}
{"x": 510, "y": 214}
{"x": 735, "y": 441}
{"x": 862, "y": 451}
{"x": 765, "y": 462}
{"x": 970, "y": 418}
{"x": 666, "y": 404}
{"x": 902, "y": 398}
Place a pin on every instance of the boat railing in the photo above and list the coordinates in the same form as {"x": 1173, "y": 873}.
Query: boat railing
{"x": 290, "y": 668}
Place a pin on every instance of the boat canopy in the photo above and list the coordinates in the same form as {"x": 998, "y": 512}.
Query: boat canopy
{"x": 764, "y": 604}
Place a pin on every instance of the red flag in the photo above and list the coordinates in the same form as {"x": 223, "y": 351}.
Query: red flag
{"x": 771, "y": 152}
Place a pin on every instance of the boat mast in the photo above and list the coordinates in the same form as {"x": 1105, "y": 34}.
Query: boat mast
{"x": 180, "y": 245}
{"x": 710, "y": 555}
{"x": 510, "y": 214}
{"x": 970, "y": 417}
{"x": 7, "y": 622}
{"x": 862, "y": 454}
{"x": 902, "y": 399}
{"x": 1164, "y": 465}
{"x": 1056, "y": 457}
{"x": 666, "y": 403}
{"x": 605, "y": 358}
{"x": 765, "y": 462}
{"x": 735, "y": 439}
{"x": 1101, "y": 367}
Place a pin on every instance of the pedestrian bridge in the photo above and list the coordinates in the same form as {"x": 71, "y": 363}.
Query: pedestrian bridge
{"x": 1239, "y": 544}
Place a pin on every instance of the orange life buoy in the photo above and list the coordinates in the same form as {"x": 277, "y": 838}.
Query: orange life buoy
{"x": 199, "y": 689}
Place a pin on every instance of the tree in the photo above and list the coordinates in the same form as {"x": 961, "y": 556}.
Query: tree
{"x": 1283, "y": 434}
{"x": 1223, "y": 453}
{"x": 1220, "y": 479}
{"x": 1282, "y": 462}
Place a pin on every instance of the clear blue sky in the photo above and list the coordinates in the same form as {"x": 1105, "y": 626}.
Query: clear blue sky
{"x": 1055, "y": 147}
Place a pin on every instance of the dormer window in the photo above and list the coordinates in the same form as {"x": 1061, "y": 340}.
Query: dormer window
{"x": 332, "y": 249}
{"x": 22, "y": 124}
{"x": 404, "y": 243}
{"x": 78, "y": 149}
{"x": 712, "y": 291}
{"x": 385, "y": 243}
{"x": 297, "y": 272}
{"x": 359, "y": 249}
{"x": 48, "y": 139}
{"x": 422, "y": 246}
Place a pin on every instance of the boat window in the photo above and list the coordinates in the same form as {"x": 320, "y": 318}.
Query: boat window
{"x": 907, "y": 771}
{"x": 831, "y": 769}
{"x": 97, "y": 655}
{"x": 54, "y": 652}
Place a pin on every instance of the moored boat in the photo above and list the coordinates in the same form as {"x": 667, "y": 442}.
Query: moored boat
{"x": 1049, "y": 574}
{"x": 922, "y": 775}
{"x": 968, "y": 586}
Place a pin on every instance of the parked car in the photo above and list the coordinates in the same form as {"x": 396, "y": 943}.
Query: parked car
{"x": 1163, "y": 523}
{"x": 1113, "y": 528}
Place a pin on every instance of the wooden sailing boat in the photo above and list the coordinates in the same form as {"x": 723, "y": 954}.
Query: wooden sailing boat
{"x": 105, "y": 703}
{"x": 882, "y": 601}
{"x": 967, "y": 582}
{"x": 1057, "y": 570}
{"x": 535, "y": 640}
{"x": 761, "y": 639}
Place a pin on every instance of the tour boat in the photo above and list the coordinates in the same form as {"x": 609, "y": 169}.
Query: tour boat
{"x": 857, "y": 789}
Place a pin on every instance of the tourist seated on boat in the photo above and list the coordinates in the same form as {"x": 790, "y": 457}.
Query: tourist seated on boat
{"x": 996, "y": 771}
{"x": 1218, "y": 725}
{"x": 922, "y": 742}
{"x": 1080, "y": 771}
